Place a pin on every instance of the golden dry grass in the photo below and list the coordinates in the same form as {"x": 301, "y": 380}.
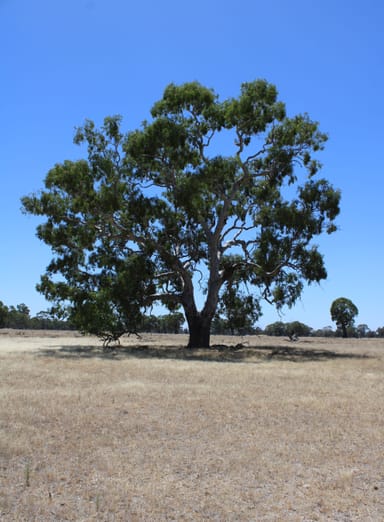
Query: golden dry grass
{"x": 272, "y": 431}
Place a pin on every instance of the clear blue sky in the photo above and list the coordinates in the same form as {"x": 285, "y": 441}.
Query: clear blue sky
{"x": 66, "y": 60}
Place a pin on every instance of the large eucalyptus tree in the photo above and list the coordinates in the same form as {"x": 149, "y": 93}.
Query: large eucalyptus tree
{"x": 206, "y": 197}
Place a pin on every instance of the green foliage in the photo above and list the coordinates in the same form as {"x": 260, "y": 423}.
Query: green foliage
{"x": 170, "y": 323}
{"x": 327, "y": 331}
{"x": 380, "y": 331}
{"x": 240, "y": 311}
{"x": 362, "y": 330}
{"x": 343, "y": 313}
{"x": 237, "y": 311}
{"x": 298, "y": 329}
{"x": 163, "y": 195}
{"x": 3, "y": 315}
{"x": 292, "y": 329}
{"x": 277, "y": 329}
{"x": 19, "y": 318}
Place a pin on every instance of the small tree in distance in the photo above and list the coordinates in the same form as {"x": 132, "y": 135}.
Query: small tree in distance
{"x": 363, "y": 330}
{"x": 292, "y": 329}
{"x": 278, "y": 328}
{"x": 160, "y": 214}
{"x": 343, "y": 312}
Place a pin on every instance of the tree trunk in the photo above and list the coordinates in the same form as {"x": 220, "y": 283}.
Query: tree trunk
{"x": 199, "y": 326}
{"x": 344, "y": 330}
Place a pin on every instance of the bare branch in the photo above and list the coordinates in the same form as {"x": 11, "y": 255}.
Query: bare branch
{"x": 166, "y": 297}
{"x": 164, "y": 274}
{"x": 254, "y": 156}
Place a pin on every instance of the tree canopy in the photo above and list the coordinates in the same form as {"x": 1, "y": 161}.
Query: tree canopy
{"x": 208, "y": 198}
{"x": 343, "y": 312}
{"x": 293, "y": 329}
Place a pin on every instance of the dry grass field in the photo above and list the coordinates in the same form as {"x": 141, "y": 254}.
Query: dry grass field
{"x": 267, "y": 431}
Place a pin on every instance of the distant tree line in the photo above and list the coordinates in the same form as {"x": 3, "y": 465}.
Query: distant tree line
{"x": 19, "y": 317}
{"x": 298, "y": 329}
{"x": 168, "y": 323}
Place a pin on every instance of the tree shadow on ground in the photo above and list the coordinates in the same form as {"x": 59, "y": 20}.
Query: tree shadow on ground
{"x": 216, "y": 353}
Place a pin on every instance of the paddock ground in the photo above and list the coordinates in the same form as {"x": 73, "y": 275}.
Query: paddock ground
{"x": 256, "y": 429}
